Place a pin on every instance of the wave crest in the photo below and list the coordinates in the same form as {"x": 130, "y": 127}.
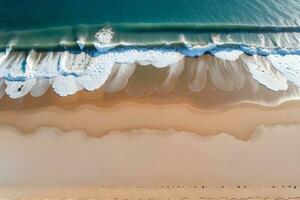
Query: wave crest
{"x": 71, "y": 71}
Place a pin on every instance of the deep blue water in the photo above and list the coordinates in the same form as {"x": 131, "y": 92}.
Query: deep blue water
{"x": 36, "y": 23}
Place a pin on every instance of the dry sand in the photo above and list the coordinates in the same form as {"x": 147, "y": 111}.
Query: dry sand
{"x": 144, "y": 164}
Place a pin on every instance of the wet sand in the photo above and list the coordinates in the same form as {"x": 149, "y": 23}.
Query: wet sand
{"x": 208, "y": 112}
{"x": 239, "y": 120}
{"x": 47, "y": 151}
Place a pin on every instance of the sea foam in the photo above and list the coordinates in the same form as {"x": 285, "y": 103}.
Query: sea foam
{"x": 69, "y": 71}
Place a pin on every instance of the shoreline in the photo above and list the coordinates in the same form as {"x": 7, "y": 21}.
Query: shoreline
{"x": 239, "y": 120}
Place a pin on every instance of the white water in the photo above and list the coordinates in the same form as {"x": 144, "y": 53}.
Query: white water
{"x": 71, "y": 72}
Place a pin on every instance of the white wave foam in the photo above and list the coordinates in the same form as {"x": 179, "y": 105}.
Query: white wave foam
{"x": 197, "y": 74}
{"x": 227, "y": 54}
{"x": 11, "y": 64}
{"x": 3, "y": 69}
{"x": 288, "y": 65}
{"x": 65, "y": 85}
{"x": 119, "y": 77}
{"x": 82, "y": 70}
{"x": 10, "y": 46}
{"x": 105, "y": 36}
{"x": 193, "y": 51}
{"x": 40, "y": 87}
{"x": 43, "y": 64}
{"x": 216, "y": 38}
{"x": 17, "y": 89}
{"x": 70, "y": 72}
{"x": 261, "y": 71}
{"x": 158, "y": 58}
{"x": 73, "y": 63}
{"x": 81, "y": 42}
{"x": 103, "y": 48}
{"x": 97, "y": 72}
{"x": 19, "y": 69}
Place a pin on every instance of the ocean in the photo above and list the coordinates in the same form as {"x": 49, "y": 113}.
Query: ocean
{"x": 58, "y": 23}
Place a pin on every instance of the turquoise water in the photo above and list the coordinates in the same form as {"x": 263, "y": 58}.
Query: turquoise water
{"x": 50, "y": 24}
{"x": 53, "y": 42}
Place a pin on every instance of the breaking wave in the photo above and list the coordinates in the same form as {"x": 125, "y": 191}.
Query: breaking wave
{"x": 270, "y": 55}
{"x": 109, "y": 67}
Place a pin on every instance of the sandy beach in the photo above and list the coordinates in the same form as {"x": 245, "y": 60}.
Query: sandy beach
{"x": 150, "y": 100}
{"x": 97, "y": 118}
{"x": 148, "y": 163}
{"x": 226, "y": 142}
{"x": 240, "y": 144}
